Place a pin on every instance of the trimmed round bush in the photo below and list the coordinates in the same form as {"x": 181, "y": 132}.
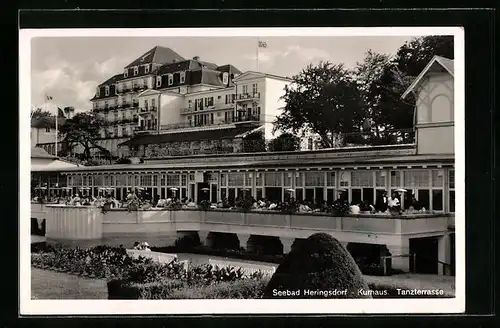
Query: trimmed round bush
{"x": 318, "y": 267}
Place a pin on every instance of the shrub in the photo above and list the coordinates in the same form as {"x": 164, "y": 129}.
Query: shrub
{"x": 122, "y": 290}
{"x": 239, "y": 289}
{"x": 318, "y": 263}
{"x": 204, "y": 205}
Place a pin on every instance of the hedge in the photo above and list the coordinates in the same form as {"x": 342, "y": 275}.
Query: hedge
{"x": 319, "y": 263}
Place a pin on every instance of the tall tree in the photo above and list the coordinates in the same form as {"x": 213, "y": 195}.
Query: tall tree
{"x": 382, "y": 80}
{"x": 83, "y": 129}
{"x": 323, "y": 99}
{"x": 285, "y": 142}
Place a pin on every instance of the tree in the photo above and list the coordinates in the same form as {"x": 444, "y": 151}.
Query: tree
{"x": 285, "y": 142}
{"x": 39, "y": 113}
{"x": 83, "y": 129}
{"x": 382, "y": 80}
{"x": 322, "y": 99}
{"x": 319, "y": 262}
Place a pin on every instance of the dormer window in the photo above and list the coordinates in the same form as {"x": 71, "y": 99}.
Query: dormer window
{"x": 98, "y": 92}
{"x": 146, "y": 68}
{"x": 225, "y": 78}
{"x": 170, "y": 79}
{"x": 136, "y": 70}
{"x": 125, "y": 74}
{"x": 183, "y": 77}
{"x": 158, "y": 81}
{"x": 106, "y": 91}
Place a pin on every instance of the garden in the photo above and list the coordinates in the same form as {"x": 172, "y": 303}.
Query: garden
{"x": 317, "y": 263}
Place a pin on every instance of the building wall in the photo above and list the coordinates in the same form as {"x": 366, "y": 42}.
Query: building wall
{"x": 170, "y": 105}
{"x": 435, "y": 115}
{"x": 42, "y": 136}
{"x": 436, "y": 139}
{"x": 272, "y": 92}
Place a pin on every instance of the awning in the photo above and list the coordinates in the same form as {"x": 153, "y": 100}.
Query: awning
{"x": 56, "y": 165}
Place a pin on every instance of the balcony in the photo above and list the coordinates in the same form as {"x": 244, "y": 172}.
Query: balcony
{"x": 146, "y": 128}
{"x": 247, "y": 96}
{"x": 147, "y": 110}
{"x": 185, "y": 111}
{"x": 124, "y": 91}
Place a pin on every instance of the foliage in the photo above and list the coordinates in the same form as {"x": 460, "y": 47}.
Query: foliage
{"x": 290, "y": 207}
{"x": 187, "y": 242}
{"x": 340, "y": 207}
{"x": 84, "y": 130}
{"x": 204, "y": 205}
{"x": 239, "y": 289}
{"x": 174, "y": 205}
{"x": 285, "y": 142}
{"x": 39, "y": 113}
{"x": 324, "y": 100}
{"x": 245, "y": 202}
{"x": 318, "y": 263}
{"x": 254, "y": 143}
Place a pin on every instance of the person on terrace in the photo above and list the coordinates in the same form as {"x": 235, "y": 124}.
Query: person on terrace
{"x": 304, "y": 208}
{"x": 382, "y": 202}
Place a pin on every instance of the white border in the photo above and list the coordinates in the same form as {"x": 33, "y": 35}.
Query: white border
{"x": 106, "y": 307}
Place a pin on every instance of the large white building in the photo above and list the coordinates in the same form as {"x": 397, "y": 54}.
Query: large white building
{"x": 162, "y": 93}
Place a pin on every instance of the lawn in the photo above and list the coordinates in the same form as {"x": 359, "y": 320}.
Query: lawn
{"x": 46, "y": 284}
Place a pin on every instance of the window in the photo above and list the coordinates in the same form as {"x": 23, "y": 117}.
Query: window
{"x": 273, "y": 179}
{"x": 258, "y": 179}
{"x": 362, "y": 178}
{"x": 183, "y": 77}
{"x": 170, "y": 79}
{"x": 136, "y": 70}
{"x": 106, "y": 91}
{"x": 395, "y": 178}
{"x": 380, "y": 179}
{"x": 330, "y": 179}
{"x": 451, "y": 191}
{"x": 158, "y": 81}
{"x": 225, "y": 78}
{"x": 47, "y": 129}
{"x": 288, "y": 179}
{"x": 125, "y": 74}
{"x": 145, "y": 83}
{"x": 315, "y": 179}
{"x": 298, "y": 179}
{"x": 254, "y": 88}
{"x": 245, "y": 89}
{"x": 416, "y": 179}
{"x": 146, "y": 68}
{"x": 173, "y": 179}
{"x": 98, "y": 91}
{"x": 235, "y": 179}
{"x": 153, "y": 103}
{"x": 146, "y": 180}
{"x": 124, "y": 132}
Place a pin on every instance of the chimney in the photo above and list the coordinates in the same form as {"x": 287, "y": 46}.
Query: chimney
{"x": 196, "y": 58}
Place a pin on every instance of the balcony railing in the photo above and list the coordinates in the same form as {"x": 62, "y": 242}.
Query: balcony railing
{"x": 206, "y": 109}
{"x": 248, "y": 96}
{"x": 145, "y": 128}
{"x": 233, "y": 120}
{"x": 145, "y": 110}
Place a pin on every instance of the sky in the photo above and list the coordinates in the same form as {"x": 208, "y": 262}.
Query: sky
{"x": 70, "y": 68}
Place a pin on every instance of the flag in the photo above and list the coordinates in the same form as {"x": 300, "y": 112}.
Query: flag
{"x": 60, "y": 113}
{"x": 262, "y": 44}
{"x": 48, "y": 97}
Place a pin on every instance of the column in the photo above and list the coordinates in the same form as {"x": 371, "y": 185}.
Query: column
{"x": 444, "y": 254}
{"x": 401, "y": 248}
{"x": 244, "y": 241}
{"x": 287, "y": 244}
{"x": 205, "y": 238}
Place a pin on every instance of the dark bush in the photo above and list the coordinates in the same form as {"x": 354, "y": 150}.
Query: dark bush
{"x": 318, "y": 263}
{"x": 187, "y": 242}
{"x": 239, "y": 289}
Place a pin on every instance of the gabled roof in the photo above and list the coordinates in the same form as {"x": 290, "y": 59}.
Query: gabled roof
{"x": 249, "y": 74}
{"x": 436, "y": 64}
{"x": 157, "y": 55}
{"x": 185, "y": 65}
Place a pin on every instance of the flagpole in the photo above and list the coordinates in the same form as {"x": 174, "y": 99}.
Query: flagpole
{"x": 57, "y": 119}
{"x": 257, "y": 57}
